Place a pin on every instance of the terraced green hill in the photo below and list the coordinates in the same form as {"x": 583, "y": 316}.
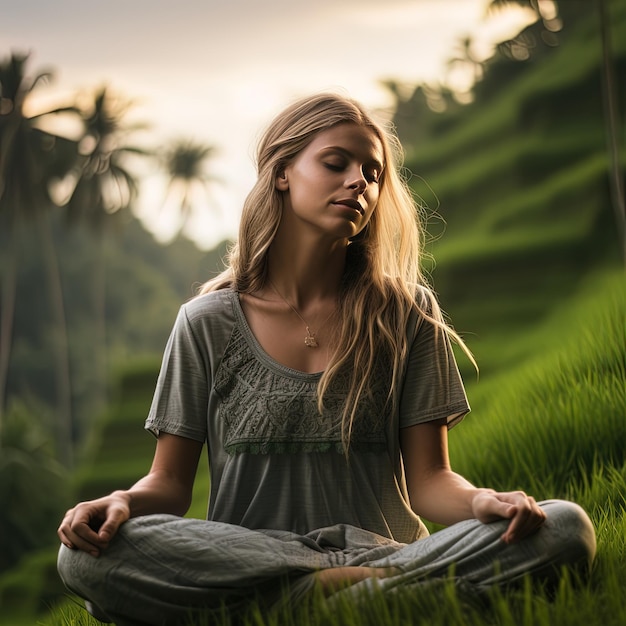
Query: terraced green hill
{"x": 521, "y": 178}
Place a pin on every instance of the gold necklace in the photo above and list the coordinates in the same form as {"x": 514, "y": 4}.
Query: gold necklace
{"x": 310, "y": 341}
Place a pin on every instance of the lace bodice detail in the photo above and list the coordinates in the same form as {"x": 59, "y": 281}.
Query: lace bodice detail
{"x": 274, "y": 409}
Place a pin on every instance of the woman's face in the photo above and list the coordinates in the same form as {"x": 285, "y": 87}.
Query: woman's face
{"x": 332, "y": 186}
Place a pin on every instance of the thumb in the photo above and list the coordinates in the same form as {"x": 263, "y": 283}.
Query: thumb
{"x": 508, "y": 511}
{"x": 489, "y": 506}
{"x": 107, "y": 531}
{"x": 497, "y": 509}
{"x": 110, "y": 526}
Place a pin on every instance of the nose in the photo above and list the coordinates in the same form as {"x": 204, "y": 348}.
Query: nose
{"x": 356, "y": 180}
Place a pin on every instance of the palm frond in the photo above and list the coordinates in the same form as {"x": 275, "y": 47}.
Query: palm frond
{"x": 498, "y": 5}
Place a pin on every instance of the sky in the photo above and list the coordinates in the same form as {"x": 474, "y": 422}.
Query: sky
{"x": 218, "y": 71}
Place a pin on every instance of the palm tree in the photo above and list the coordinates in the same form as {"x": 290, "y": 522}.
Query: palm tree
{"x": 525, "y": 4}
{"x": 102, "y": 188}
{"x": 185, "y": 163}
{"x": 524, "y": 45}
{"x": 466, "y": 59}
{"x": 548, "y": 10}
{"x": 102, "y": 184}
{"x": 30, "y": 158}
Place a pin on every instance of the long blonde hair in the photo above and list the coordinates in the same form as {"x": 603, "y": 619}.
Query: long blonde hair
{"x": 383, "y": 281}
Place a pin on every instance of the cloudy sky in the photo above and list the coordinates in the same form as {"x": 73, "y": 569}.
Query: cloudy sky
{"x": 218, "y": 70}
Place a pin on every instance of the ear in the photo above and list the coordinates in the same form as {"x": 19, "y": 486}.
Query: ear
{"x": 282, "y": 184}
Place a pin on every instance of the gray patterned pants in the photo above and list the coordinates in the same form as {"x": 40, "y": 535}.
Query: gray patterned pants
{"x": 160, "y": 568}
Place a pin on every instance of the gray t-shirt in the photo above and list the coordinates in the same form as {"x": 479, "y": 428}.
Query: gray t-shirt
{"x": 275, "y": 462}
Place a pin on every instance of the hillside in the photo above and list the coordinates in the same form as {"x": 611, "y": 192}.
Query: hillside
{"x": 520, "y": 182}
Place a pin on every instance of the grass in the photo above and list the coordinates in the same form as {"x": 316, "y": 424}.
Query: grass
{"x": 560, "y": 412}
{"x": 554, "y": 425}
{"x": 573, "y": 604}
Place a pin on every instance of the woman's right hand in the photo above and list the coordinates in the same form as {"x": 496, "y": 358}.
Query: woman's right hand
{"x": 167, "y": 488}
{"x": 90, "y": 526}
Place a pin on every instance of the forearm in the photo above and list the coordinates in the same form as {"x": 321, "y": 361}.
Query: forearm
{"x": 445, "y": 497}
{"x": 158, "y": 492}
{"x": 167, "y": 488}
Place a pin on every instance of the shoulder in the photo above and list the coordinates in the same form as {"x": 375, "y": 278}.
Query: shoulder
{"x": 209, "y": 316}
{"x": 206, "y": 322}
{"x": 424, "y": 310}
{"x": 416, "y": 296}
{"x": 212, "y": 305}
{"x": 425, "y": 300}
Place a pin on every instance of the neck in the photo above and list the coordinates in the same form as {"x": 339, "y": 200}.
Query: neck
{"x": 306, "y": 274}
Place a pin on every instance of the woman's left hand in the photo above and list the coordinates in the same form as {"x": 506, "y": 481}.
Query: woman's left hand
{"x": 525, "y": 514}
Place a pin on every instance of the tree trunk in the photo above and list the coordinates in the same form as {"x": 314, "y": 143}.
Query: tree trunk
{"x": 7, "y": 311}
{"x": 99, "y": 296}
{"x": 65, "y": 430}
{"x": 616, "y": 176}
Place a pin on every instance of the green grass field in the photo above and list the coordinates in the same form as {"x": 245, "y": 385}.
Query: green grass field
{"x": 550, "y": 418}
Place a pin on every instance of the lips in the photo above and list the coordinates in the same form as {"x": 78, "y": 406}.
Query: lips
{"x": 351, "y": 203}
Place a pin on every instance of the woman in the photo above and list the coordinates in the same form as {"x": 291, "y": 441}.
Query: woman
{"x": 318, "y": 370}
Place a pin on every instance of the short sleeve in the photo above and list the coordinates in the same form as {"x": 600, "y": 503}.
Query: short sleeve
{"x": 180, "y": 401}
{"x": 432, "y": 388}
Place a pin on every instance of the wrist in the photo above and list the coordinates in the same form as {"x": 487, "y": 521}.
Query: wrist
{"x": 123, "y": 497}
{"x": 480, "y": 493}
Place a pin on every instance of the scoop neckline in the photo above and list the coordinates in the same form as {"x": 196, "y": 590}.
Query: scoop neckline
{"x": 260, "y": 352}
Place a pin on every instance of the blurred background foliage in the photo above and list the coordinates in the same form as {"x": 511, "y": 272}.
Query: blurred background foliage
{"x": 522, "y": 179}
{"x": 519, "y": 180}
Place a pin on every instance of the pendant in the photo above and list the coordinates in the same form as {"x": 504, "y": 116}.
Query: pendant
{"x": 310, "y": 340}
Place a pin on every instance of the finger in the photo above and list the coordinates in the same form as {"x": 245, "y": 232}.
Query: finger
{"x": 527, "y": 520}
{"x": 513, "y": 497}
{"x": 504, "y": 510}
{"x": 65, "y": 540}
{"x": 110, "y": 527}
{"x": 513, "y": 531}
{"x": 491, "y": 508}
{"x": 116, "y": 516}
{"x": 83, "y": 538}
{"x": 65, "y": 532}
{"x": 82, "y": 528}
{"x": 75, "y": 529}
{"x": 75, "y": 542}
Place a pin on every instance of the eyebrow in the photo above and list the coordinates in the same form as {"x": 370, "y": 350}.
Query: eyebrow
{"x": 372, "y": 162}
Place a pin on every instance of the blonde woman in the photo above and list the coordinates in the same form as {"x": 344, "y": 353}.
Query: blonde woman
{"x": 318, "y": 371}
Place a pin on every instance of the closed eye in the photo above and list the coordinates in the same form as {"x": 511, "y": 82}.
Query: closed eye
{"x": 333, "y": 167}
{"x": 371, "y": 176}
